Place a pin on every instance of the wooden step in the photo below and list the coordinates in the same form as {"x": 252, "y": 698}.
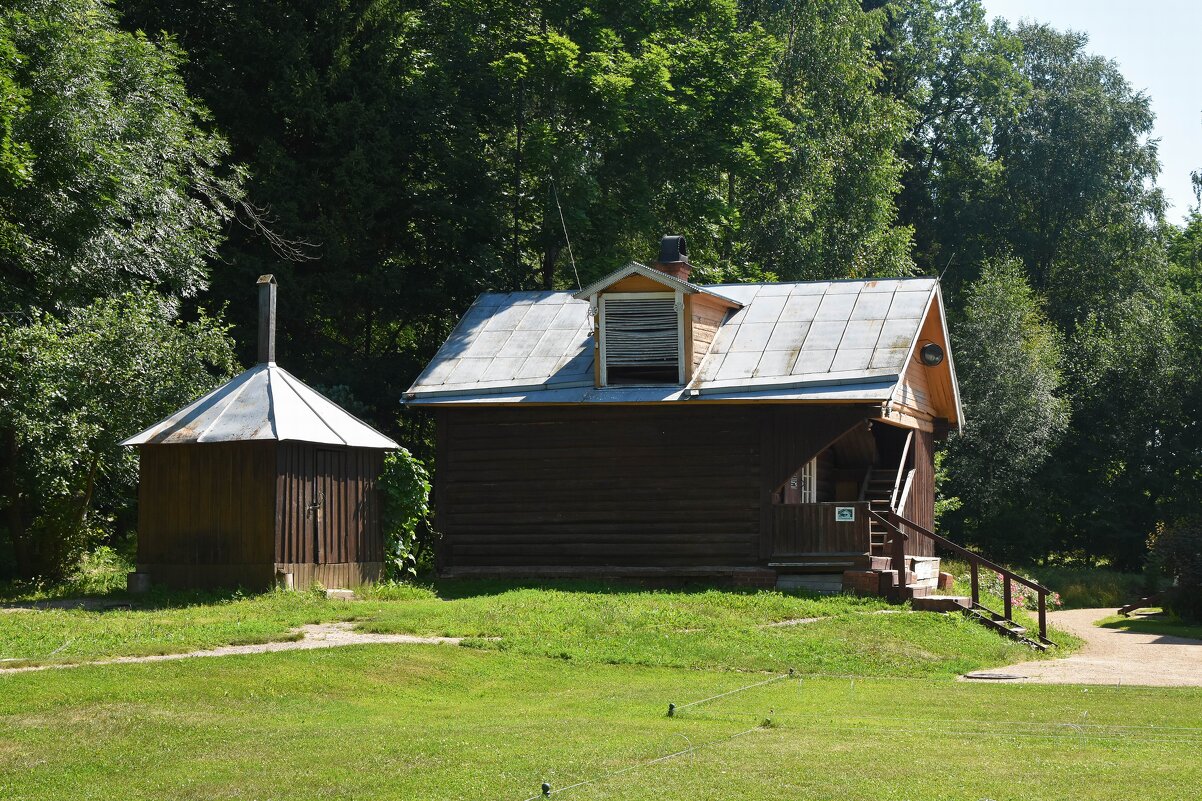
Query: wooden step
{"x": 941, "y": 603}
{"x": 1003, "y": 626}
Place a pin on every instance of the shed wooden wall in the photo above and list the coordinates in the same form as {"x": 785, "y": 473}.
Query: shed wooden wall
{"x": 538, "y": 489}
{"x": 206, "y": 513}
{"x": 230, "y": 514}
{"x": 349, "y": 529}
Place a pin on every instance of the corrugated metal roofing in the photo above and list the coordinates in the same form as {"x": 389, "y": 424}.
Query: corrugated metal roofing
{"x": 789, "y": 340}
{"x": 265, "y": 402}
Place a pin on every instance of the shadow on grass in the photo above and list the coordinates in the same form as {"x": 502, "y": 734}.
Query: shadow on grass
{"x": 1160, "y": 624}
{"x": 455, "y": 589}
{"x": 12, "y": 597}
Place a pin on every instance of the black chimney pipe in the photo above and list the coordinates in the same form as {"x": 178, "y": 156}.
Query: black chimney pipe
{"x": 267, "y": 287}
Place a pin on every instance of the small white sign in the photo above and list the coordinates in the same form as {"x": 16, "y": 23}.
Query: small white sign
{"x": 845, "y": 514}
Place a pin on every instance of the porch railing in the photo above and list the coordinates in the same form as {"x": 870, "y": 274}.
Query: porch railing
{"x": 895, "y": 523}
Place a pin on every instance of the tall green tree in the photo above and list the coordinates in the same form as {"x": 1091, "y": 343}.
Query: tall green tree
{"x": 70, "y": 390}
{"x": 109, "y": 178}
{"x": 963, "y": 79}
{"x": 1008, "y": 358}
{"x": 114, "y": 196}
{"x": 428, "y": 150}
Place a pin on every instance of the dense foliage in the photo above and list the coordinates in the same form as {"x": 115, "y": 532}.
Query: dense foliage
{"x": 400, "y": 156}
{"x": 113, "y": 197}
{"x": 405, "y": 509}
{"x": 1177, "y": 552}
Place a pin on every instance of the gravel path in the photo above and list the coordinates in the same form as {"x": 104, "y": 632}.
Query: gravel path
{"x": 318, "y": 635}
{"x": 1110, "y": 656}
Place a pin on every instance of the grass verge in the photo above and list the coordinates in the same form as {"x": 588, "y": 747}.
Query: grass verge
{"x": 582, "y": 622}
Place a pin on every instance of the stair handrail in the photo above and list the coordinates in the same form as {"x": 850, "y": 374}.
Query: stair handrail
{"x": 901, "y": 467}
{"x": 975, "y": 561}
{"x": 901, "y": 502}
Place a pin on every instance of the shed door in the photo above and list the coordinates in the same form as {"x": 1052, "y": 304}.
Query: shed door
{"x": 326, "y": 533}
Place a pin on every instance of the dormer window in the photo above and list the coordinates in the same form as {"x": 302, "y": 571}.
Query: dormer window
{"x": 642, "y": 338}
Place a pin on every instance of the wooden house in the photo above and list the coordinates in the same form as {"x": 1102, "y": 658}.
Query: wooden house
{"x": 648, "y": 426}
{"x": 262, "y": 480}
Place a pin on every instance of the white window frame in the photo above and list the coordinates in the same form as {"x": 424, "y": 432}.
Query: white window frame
{"x": 807, "y": 482}
{"x": 677, "y": 296}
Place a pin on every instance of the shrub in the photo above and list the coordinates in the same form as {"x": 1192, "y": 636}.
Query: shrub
{"x": 1176, "y": 548}
{"x": 405, "y": 495}
{"x": 1021, "y": 595}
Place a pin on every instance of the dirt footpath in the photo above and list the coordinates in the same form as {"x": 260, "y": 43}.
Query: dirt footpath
{"x": 1110, "y": 656}
{"x": 316, "y": 635}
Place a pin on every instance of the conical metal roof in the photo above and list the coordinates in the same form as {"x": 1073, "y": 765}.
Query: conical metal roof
{"x": 264, "y": 403}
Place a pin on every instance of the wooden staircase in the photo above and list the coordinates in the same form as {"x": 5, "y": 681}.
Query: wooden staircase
{"x": 897, "y": 530}
{"x": 877, "y": 490}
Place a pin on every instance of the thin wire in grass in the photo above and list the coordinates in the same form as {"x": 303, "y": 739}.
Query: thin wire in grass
{"x": 772, "y": 680}
{"x": 647, "y": 763}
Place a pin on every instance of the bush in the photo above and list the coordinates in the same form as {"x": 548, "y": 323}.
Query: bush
{"x": 405, "y": 494}
{"x": 1176, "y": 549}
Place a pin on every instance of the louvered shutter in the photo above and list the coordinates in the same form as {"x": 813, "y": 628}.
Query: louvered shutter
{"x": 642, "y": 337}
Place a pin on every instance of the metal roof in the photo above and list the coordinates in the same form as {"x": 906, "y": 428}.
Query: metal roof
{"x": 265, "y": 402}
{"x": 789, "y": 341}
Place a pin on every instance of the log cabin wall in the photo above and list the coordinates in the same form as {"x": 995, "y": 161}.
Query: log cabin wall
{"x": 327, "y": 513}
{"x": 540, "y": 490}
{"x": 205, "y": 514}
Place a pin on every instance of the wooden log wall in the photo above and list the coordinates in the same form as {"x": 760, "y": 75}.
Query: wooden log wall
{"x": 639, "y": 486}
{"x": 680, "y": 486}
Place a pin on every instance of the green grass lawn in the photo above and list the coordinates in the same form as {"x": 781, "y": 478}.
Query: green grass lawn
{"x": 440, "y": 722}
{"x": 1155, "y": 621}
{"x": 575, "y": 689}
{"x": 570, "y": 621}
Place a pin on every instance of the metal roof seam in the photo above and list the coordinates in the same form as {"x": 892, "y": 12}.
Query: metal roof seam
{"x": 299, "y": 396}
{"x": 221, "y": 413}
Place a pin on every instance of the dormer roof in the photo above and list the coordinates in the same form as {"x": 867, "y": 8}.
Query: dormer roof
{"x": 670, "y": 283}
{"x": 814, "y": 341}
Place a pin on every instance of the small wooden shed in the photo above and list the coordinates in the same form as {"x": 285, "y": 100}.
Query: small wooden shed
{"x": 263, "y": 480}
{"x": 648, "y": 426}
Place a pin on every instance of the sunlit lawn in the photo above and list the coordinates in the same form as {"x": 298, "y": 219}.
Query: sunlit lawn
{"x": 443, "y": 722}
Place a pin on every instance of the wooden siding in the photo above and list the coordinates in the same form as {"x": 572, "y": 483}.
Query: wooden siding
{"x": 327, "y": 508}
{"x": 208, "y": 507}
{"x": 343, "y": 575}
{"x": 706, "y": 316}
{"x": 809, "y": 533}
{"x": 927, "y": 392}
{"x": 639, "y": 487}
{"x": 920, "y": 503}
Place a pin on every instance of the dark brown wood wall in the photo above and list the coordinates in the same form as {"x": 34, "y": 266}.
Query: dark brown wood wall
{"x": 809, "y": 529}
{"x": 636, "y": 486}
{"x": 920, "y": 503}
{"x": 207, "y": 505}
{"x": 639, "y": 486}
{"x": 327, "y": 504}
{"x": 790, "y": 436}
